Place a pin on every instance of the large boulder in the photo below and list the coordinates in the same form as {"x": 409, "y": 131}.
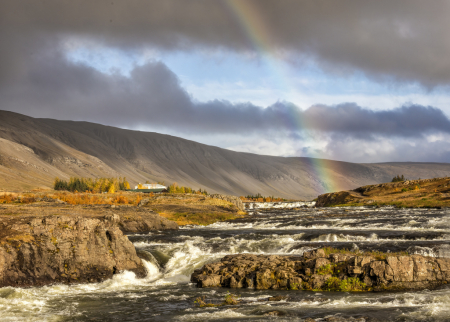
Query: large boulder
{"x": 64, "y": 249}
{"x": 316, "y": 270}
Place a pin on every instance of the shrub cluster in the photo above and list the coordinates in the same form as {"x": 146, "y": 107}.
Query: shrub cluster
{"x": 399, "y": 178}
{"x": 98, "y": 199}
{"x": 9, "y": 198}
{"x": 351, "y": 284}
{"x": 259, "y": 198}
{"x": 97, "y": 185}
{"x": 175, "y": 188}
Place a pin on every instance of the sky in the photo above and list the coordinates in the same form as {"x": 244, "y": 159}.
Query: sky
{"x": 357, "y": 81}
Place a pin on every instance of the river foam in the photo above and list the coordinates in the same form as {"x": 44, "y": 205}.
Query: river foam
{"x": 171, "y": 256}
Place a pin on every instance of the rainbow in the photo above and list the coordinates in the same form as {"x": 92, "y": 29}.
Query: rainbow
{"x": 257, "y": 31}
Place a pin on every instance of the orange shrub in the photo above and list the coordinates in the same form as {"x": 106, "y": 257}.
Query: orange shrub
{"x": 7, "y": 198}
{"x": 82, "y": 198}
{"x": 121, "y": 200}
{"x": 138, "y": 200}
{"x": 28, "y": 199}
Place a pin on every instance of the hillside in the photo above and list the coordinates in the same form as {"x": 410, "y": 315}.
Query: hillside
{"x": 410, "y": 193}
{"x": 34, "y": 151}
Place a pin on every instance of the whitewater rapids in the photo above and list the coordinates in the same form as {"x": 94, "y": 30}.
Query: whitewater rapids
{"x": 171, "y": 256}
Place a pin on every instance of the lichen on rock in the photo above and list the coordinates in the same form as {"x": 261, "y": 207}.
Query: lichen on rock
{"x": 316, "y": 270}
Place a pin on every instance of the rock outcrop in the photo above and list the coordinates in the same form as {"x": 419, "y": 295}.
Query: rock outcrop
{"x": 64, "y": 249}
{"x": 338, "y": 198}
{"x": 317, "y": 271}
{"x": 145, "y": 223}
{"x": 435, "y": 189}
{"x": 233, "y": 199}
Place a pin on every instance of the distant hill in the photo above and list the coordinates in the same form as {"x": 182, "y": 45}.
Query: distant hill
{"x": 34, "y": 151}
{"x": 427, "y": 193}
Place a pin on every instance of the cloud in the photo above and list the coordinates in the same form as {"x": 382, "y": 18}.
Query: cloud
{"x": 384, "y": 39}
{"x": 384, "y": 149}
{"x": 152, "y": 96}
{"x": 405, "y": 121}
{"x": 387, "y": 40}
{"x": 348, "y": 148}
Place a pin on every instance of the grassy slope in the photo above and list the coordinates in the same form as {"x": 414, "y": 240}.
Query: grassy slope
{"x": 187, "y": 209}
{"x": 184, "y": 209}
{"x": 427, "y": 193}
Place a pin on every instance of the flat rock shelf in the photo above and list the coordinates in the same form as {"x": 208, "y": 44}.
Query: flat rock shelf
{"x": 316, "y": 270}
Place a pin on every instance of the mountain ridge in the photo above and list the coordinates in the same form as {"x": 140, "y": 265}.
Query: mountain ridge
{"x": 80, "y": 148}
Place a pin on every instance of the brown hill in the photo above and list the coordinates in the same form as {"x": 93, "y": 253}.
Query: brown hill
{"x": 34, "y": 151}
{"x": 433, "y": 192}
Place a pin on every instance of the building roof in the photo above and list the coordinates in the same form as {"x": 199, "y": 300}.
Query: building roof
{"x": 152, "y": 186}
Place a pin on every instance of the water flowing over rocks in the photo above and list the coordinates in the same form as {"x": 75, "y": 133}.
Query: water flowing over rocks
{"x": 279, "y": 205}
{"x": 233, "y": 199}
{"x": 316, "y": 270}
{"x": 64, "y": 249}
{"x": 170, "y": 256}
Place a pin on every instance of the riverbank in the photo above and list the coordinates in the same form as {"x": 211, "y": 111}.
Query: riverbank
{"x": 138, "y": 211}
{"x": 326, "y": 270}
{"x": 71, "y": 238}
{"x": 193, "y": 209}
{"x": 46, "y": 240}
{"x": 426, "y": 193}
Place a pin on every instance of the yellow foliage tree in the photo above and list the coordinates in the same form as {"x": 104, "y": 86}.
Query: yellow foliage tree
{"x": 141, "y": 186}
{"x": 112, "y": 189}
{"x": 173, "y": 188}
{"x": 126, "y": 185}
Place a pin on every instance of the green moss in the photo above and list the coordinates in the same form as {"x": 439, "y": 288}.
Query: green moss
{"x": 376, "y": 254}
{"x": 230, "y": 299}
{"x": 325, "y": 269}
{"x": 306, "y": 286}
{"x": 351, "y": 284}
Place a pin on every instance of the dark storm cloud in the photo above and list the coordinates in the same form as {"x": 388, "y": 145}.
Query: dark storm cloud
{"x": 152, "y": 96}
{"x": 403, "y": 40}
{"x": 405, "y": 121}
{"x": 381, "y": 38}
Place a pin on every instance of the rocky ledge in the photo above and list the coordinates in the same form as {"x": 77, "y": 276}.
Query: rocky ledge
{"x": 145, "y": 223}
{"x": 317, "y": 270}
{"x": 64, "y": 249}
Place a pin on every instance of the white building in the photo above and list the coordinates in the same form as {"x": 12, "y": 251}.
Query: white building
{"x": 151, "y": 186}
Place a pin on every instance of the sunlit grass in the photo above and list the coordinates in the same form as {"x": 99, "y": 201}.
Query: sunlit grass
{"x": 376, "y": 254}
{"x": 203, "y": 219}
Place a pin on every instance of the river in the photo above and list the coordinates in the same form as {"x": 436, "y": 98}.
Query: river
{"x": 171, "y": 256}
